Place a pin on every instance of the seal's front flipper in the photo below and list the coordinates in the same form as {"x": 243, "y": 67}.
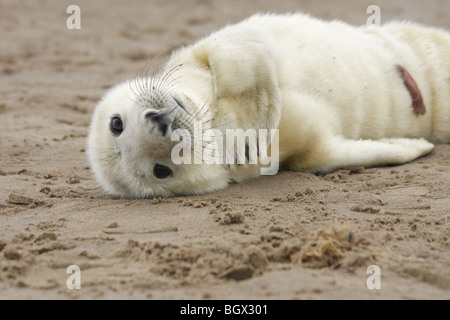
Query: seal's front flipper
{"x": 244, "y": 73}
{"x": 342, "y": 152}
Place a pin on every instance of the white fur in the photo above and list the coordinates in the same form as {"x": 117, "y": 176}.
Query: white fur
{"x": 332, "y": 90}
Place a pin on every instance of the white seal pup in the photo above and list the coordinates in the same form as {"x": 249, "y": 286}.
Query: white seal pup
{"x": 339, "y": 95}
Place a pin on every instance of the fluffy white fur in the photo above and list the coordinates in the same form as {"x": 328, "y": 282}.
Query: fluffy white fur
{"x": 332, "y": 90}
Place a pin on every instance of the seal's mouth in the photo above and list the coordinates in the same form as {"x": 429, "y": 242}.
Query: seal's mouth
{"x": 185, "y": 116}
{"x": 180, "y": 103}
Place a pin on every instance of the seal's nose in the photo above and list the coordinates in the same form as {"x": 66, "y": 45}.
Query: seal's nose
{"x": 161, "y": 119}
{"x": 154, "y": 116}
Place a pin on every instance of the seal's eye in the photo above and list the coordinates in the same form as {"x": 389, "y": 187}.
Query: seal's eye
{"x": 116, "y": 125}
{"x": 161, "y": 171}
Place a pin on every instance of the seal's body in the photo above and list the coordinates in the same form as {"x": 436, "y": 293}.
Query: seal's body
{"x": 339, "y": 95}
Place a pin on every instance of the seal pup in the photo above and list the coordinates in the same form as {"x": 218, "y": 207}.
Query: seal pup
{"x": 339, "y": 96}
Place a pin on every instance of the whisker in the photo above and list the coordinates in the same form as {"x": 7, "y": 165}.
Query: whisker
{"x": 168, "y": 74}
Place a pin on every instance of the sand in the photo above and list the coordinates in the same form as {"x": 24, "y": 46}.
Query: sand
{"x": 288, "y": 236}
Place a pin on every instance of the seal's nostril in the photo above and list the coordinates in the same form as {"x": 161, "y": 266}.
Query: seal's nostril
{"x": 154, "y": 116}
{"x": 160, "y": 120}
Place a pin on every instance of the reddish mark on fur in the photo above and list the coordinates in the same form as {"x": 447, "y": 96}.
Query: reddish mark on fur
{"x": 414, "y": 91}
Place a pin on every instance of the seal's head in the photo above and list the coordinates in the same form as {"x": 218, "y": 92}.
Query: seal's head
{"x": 130, "y": 146}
